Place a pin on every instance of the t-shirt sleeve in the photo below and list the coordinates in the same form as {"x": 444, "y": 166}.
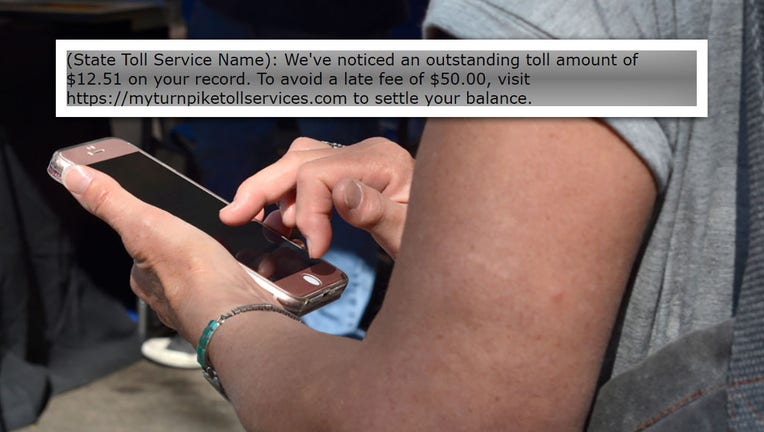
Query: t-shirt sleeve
{"x": 564, "y": 19}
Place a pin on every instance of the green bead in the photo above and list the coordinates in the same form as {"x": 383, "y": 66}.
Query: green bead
{"x": 204, "y": 339}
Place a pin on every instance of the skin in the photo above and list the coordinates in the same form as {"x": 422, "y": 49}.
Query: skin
{"x": 367, "y": 183}
{"x": 518, "y": 242}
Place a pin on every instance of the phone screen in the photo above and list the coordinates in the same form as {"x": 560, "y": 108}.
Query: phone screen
{"x": 254, "y": 245}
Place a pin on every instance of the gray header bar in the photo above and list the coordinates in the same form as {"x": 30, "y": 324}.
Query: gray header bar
{"x": 329, "y": 78}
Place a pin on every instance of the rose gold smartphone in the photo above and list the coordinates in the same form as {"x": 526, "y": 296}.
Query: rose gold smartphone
{"x": 280, "y": 266}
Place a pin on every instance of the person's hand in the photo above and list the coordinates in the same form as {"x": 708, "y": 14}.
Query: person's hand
{"x": 368, "y": 183}
{"x": 183, "y": 274}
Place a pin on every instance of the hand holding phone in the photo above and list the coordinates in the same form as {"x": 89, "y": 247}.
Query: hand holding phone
{"x": 298, "y": 283}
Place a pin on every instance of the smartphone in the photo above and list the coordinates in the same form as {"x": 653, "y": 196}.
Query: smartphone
{"x": 281, "y": 267}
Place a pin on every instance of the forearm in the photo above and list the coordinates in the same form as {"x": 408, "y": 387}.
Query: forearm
{"x": 518, "y": 243}
{"x": 280, "y": 375}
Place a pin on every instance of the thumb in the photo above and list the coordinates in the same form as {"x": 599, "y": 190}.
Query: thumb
{"x": 365, "y": 207}
{"x": 102, "y": 196}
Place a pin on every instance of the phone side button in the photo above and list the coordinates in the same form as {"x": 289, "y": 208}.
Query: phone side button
{"x": 311, "y": 279}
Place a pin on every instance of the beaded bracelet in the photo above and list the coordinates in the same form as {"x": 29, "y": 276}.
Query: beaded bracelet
{"x": 208, "y": 370}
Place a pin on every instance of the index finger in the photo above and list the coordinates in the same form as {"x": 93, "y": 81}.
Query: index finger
{"x": 270, "y": 184}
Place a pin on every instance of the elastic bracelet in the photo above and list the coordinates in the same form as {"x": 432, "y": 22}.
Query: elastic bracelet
{"x": 208, "y": 370}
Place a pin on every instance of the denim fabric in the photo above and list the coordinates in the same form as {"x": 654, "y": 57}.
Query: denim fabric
{"x": 682, "y": 387}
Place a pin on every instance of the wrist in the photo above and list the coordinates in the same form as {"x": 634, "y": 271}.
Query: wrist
{"x": 196, "y": 316}
{"x": 197, "y": 308}
{"x": 208, "y": 370}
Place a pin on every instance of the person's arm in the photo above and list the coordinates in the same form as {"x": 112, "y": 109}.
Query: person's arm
{"x": 518, "y": 243}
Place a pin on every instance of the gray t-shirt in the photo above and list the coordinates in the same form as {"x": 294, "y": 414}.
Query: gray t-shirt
{"x": 684, "y": 279}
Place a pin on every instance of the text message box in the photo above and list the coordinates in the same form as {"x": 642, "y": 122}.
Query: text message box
{"x": 381, "y": 78}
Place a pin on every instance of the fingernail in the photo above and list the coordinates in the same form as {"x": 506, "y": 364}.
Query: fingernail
{"x": 232, "y": 205}
{"x": 76, "y": 179}
{"x": 353, "y": 195}
{"x": 307, "y": 246}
